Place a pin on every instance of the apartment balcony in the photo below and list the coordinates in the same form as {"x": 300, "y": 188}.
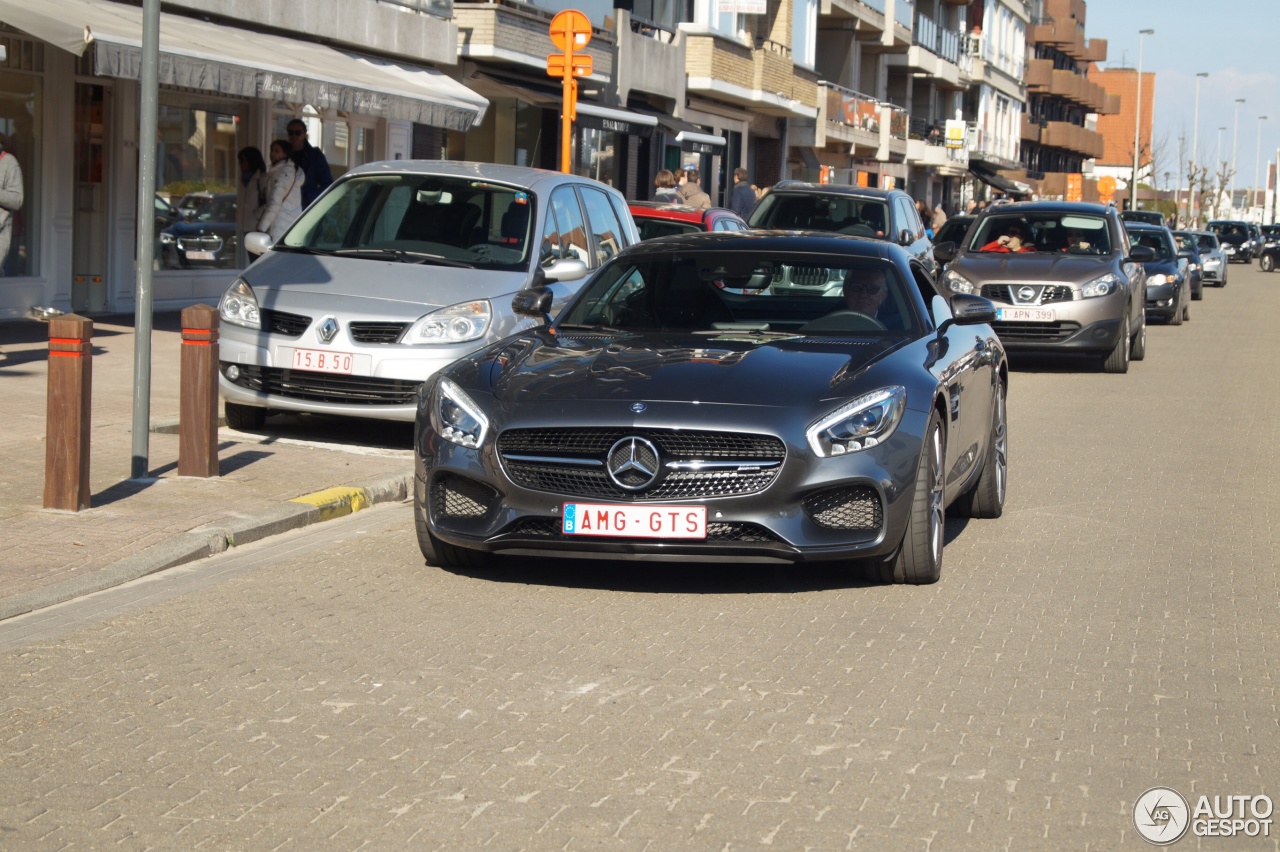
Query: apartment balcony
{"x": 1062, "y": 134}
{"x": 1095, "y": 50}
{"x": 763, "y": 78}
{"x": 1000, "y": 71}
{"x": 849, "y": 118}
{"x": 1039, "y": 74}
{"x": 1030, "y": 129}
{"x": 651, "y": 58}
{"x": 937, "y": 52}
{"x": 499, "y": 32}
{"x": 927, "y": 147}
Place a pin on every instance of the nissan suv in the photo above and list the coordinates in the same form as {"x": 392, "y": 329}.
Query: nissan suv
{"x": 1063, "y": 277}
{"x": 880, "y": 214}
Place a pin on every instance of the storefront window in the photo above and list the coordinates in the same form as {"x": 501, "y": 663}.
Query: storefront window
{"x": 197, "y": 174}
{"x": 21, "y": 103}
{"x": 596, "y": 154}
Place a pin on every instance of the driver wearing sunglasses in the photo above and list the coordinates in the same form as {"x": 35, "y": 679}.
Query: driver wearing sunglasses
{"x": 864, "y": 290}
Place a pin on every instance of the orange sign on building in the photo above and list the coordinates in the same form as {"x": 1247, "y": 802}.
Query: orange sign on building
{"x": 1075, "y": 187}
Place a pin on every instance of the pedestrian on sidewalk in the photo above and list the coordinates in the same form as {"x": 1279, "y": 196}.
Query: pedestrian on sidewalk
{"x": 11, "y": 198}
{"x": 284, "y": 195}
{"x": 744, "y": 199}
{"x": 665, "y": 184}
{"x": 311, "y": 160}
{"x": 251, "y": 195}
{"x": 691, "y": 192}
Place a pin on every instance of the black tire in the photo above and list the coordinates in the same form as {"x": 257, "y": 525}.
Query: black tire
{"x": 436, "y": 552}
{"x": 918, "y": 559}
{"x": 1267, "y": 263}
{"x": 1176, "y": 318}
{"x": 1138, "y": 348}
{"x": 986, "y": 498}
{"x": 1197, "y": 293}
{"x": 244, "y": 417}
{"x": 1186, "y": 311}
{"x": 1118, "y": 360}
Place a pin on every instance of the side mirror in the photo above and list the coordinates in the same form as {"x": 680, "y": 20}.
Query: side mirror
{"x": 968, "y": 309}
{"x": 1142, "y": 254}
{"x": 256, "y": 243}
{"x": 905, "y": 237}
{"x": 565, "y": 269}
{"x": 533, "y": 303}
{"x": 945, "y": 252}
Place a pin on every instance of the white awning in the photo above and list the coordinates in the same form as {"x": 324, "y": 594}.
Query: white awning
{"x": 234, "y": 61}
{"x": 617, "y": 120}
{"x": 700, "y": 138}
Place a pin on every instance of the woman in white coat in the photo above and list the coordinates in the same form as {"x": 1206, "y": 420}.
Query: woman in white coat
{"x": 284, "y": 192}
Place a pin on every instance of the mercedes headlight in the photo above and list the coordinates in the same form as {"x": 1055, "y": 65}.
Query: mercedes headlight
{"x": 1103, "y": 285}
{"x": 454, "y": 324}
{"x": 858, "y": 425}
{"x": 456, "y": 417}
{"x": 167, "y": 239}
{"x": 957, "y": 283}
{"x": 239, "y": 306}
{"x": 1157, "y": 280}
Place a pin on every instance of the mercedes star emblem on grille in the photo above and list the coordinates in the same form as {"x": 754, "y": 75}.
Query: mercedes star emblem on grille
{"x": 632, "y": 463}
{"x": 638, "y": 407}
{"x": 328, "y": 329}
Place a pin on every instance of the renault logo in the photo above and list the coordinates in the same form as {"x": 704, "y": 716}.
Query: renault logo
{"x": 632, "y": 464}
{"x": 328, "y": 329}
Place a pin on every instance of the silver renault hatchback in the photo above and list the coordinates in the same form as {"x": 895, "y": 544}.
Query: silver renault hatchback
{"x": 397, "y": 270}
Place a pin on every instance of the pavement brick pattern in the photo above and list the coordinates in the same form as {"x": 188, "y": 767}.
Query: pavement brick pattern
{"x": 1116, "y": 630}
{"x": 41, "y": 548}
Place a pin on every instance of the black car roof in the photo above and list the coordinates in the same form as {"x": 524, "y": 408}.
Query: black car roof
{"x": 767, "y": 241}
{"x": 1049, "y": 207}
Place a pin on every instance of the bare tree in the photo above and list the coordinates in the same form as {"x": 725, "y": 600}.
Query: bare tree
{"x": 1197, "y": 186}
{"x": 1222, "y": 183}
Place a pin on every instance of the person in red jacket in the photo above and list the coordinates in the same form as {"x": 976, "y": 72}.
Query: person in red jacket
{"x": 1013, "y": 240}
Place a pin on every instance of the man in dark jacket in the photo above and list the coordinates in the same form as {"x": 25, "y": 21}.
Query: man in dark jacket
{"x": 744, "y": 196}
{"x": 312, "y": 161}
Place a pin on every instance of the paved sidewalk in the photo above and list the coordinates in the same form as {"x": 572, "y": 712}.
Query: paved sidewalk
{"x": 135, "y": 527}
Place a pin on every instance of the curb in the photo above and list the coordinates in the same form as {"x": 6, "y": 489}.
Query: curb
{"x": 215, "y": 538}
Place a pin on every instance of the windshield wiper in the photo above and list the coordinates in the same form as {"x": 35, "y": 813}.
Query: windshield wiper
{"x": 403, "y": 256}
{"x": 602, "y": 329}
{"x": 300, "y": 249}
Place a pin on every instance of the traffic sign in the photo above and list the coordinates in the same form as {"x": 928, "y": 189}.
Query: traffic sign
{"x": 581, "y": 65}
{"x": 570, "y": 27}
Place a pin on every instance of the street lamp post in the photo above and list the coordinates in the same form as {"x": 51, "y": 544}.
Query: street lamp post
{"x": 1257, "y": 153}
{"x": 1235, "y": 146}
{"x": 1137, "y": 123}
{"x": 1192, "y": 208}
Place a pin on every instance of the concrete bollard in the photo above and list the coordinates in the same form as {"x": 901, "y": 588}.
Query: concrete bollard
{"x": 198, "y": 414}
{"x": 67, "y": 419}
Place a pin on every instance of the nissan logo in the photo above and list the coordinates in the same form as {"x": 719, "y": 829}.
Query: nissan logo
{"x": 632, "y": 464}
{"x": 1026, "y": 294}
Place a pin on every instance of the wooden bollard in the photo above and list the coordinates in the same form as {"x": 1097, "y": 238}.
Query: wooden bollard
{"x": 66, "y": 451}
{"x": 198, "y": 414}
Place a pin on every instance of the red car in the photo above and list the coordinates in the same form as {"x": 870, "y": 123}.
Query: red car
{"x": 660, "y": 219}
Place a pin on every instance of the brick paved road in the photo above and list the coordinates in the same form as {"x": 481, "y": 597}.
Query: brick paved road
{"x": 1116, "y": 630}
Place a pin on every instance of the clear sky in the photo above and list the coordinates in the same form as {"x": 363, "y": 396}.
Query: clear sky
{"x": 1236, "y": 41}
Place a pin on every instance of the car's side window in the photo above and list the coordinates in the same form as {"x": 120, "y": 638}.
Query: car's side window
{"x": 573, "y": 230}
{"x": 924, "y": 283}
{"x": 605, "y": 227}
{"x": 549, "y": 248}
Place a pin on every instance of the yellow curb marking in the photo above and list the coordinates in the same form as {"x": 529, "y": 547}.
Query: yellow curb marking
{"x": 336, "y": 502}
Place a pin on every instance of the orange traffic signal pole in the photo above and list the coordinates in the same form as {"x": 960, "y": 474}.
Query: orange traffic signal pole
{"x": 569, "y": 29}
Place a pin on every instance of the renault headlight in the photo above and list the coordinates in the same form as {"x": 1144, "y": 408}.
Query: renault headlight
{"x": 1103, "y": 285}
{"x": 858, "y": 425}
{"x": 1157, "y": 280}
{"x": 454, "y": 324}
{"x": 456, "y": 417}
{"x": 239, "y": 306}
{"x": 957, "y": 283}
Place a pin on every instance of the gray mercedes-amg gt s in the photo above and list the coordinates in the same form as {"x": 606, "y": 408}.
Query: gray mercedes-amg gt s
{"x": 750, "y": 396}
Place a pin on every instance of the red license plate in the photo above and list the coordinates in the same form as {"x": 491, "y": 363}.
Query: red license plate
{"x": 318, "y": 361}
{"x": 600, "y": 519}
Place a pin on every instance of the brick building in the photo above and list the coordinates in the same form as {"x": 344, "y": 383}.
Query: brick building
{"x": 1117, "y": 129}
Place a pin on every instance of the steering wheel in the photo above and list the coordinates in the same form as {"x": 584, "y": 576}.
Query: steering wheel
{"x": 843, "y": 320}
